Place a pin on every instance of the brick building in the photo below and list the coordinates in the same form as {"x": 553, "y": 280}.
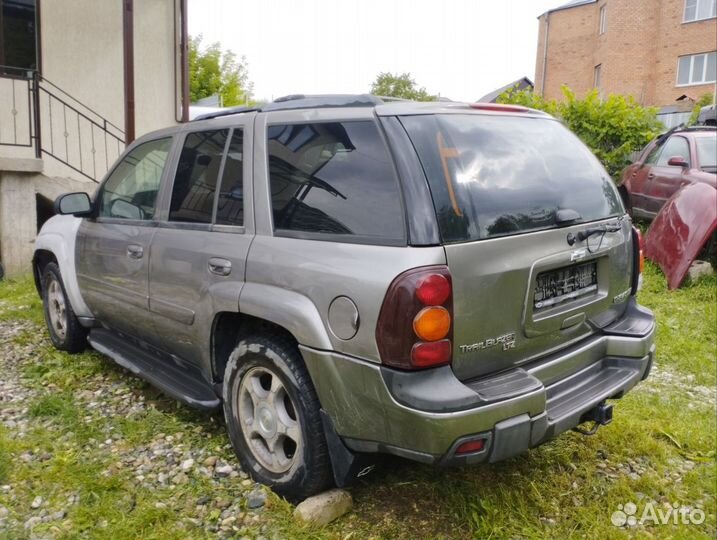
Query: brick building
{"x": 654, "y": 50}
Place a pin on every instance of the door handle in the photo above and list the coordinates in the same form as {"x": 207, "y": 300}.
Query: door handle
{"x": 220, "y": 267}
{"x": 135, "y": 251}
{"x": 651, "y": 175}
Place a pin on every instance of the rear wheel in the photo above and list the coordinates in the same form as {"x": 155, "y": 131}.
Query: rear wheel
{"x": 66, "y": 332}
{"x": 273, "y": 419}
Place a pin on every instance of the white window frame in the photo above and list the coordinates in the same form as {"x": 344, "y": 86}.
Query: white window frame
{"x": 697, "y": 3}
{"x": 597, "y": 76}
{"x": 602, "y": 28}
{"x": 691, "y": 81}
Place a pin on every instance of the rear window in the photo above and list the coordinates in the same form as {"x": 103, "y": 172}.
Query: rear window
{"x": 334, "y": 179}
{"x": 501, "y": 175}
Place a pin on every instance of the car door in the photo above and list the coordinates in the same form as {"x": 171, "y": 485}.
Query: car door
{"x": 113, "y": 246}
{"x": 664, "y": 180}
{"x": 197, "y": 263}
{"x": 639, "y": 180}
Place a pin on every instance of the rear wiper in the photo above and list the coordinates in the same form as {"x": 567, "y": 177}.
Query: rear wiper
{"x": 587, "y": 233}
{"x": 565, "y": 216}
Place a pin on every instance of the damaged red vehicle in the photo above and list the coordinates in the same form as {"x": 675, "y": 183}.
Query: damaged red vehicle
{"x": 682, "y": 230}
{"x": 680, "y": 157}
{"x": 674, "y": 183}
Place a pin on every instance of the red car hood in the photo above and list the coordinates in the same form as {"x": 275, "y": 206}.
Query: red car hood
{"x": 680, "y": 230}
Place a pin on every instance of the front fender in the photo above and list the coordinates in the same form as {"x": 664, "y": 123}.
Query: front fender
{"x": 288, "y": 309}
{"x": 681, "y": 229}
{"x": 59, "y": 236}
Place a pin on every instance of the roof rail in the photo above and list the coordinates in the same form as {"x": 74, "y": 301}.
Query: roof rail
{"x": 301, "y": 101}
{"x": 224, "y": 112}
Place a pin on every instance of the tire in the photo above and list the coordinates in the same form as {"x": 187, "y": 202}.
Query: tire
{"x": 66, "y": 332}
{"x": 273, "y": 418}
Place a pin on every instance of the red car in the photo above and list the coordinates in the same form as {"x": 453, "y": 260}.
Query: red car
{"x": 679, "y": 157}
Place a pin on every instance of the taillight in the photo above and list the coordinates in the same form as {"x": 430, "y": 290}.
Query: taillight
{"x": 638, "y": 260}
{"x": 415, "y": 326}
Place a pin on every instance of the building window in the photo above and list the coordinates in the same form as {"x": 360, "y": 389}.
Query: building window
{"x": 17, "y": 35}
{"x": 596, "y": 81}
{"x": 697, "y": 69}
{"x": 603, "y": 20}
{"x": 697, "y": 10}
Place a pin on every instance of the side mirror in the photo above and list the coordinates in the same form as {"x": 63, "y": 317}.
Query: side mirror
{"x": 77, "y": 204}
{"x": 677, "y": 161}
{"x": 126, "y": 210}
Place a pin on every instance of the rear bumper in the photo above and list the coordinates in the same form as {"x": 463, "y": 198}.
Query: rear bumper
{"x": 426, "y": 415}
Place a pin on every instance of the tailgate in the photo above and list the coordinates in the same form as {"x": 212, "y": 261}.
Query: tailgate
{"x": 520, "y": 297}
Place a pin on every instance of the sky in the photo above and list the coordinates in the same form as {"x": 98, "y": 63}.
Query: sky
{"x": 459, "y": 49}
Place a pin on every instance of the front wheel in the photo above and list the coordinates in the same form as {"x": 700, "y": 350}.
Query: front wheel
{"x": 273, "y": 417}
{"x": 66, "y": 332}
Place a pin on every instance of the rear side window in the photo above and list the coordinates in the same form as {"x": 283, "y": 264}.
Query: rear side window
{"x": 707, "y": 152}
{"x": 196, "y": 180}
{"x": 502, "y": 175}
{"x": 335, "y": 179}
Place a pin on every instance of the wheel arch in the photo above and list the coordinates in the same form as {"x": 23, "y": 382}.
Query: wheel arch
{"x": 228, "y": 328}
{"x": 57, "y": 240}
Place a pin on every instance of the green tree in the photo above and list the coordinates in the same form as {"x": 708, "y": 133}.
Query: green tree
{"x": 216, "y": 72}
{"x": 399, "y": 86}
{"x": 612, "y": 128}
{"x": 703, "y": 101}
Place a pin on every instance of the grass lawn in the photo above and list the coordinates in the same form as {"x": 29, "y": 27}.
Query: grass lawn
{"x": 93, "y": 443}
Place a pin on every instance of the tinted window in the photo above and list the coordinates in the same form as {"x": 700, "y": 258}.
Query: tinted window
{"x": 675, "y": 146}
{"x": 131, "y": 190}
{"x": 333, "y": 178}
{"x": 196, "y": 178}
{"x": 501, "y": 175}
{"x": 230, "y": 209}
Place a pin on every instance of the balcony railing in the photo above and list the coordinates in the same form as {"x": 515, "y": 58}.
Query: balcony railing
{"x": 36, "y": 113}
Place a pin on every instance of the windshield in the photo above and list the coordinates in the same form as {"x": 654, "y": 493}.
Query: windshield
{"x": 707, "y": 151}
{"x": 502, "y": 175}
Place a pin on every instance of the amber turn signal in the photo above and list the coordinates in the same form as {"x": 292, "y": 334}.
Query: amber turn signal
{"x": 432, "y": 323}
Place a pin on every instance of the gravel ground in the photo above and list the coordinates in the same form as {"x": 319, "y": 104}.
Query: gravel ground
{"x": 231, "y": 504}
{"x": 165, "y": 463}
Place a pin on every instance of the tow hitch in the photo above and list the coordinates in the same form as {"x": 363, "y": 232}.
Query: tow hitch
{"x": 600, "y": 416}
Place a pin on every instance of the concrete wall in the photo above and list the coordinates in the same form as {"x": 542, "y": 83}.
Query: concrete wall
{"x": 82, "y": 54}
{"x": 638, "y": 52}
{"x": 21, "y": 180}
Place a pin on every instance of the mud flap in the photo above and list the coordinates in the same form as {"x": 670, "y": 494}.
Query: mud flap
{"x": 347, "y": 465}
{"x": 681, "y": 229}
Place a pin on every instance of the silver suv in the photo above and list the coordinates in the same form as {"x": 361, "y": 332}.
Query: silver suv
{"x": 348, "y": 276}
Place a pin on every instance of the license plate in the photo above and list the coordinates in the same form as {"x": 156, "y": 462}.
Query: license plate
{"x": 565, "y": 284}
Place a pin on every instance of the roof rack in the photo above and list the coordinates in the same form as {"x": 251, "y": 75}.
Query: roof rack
{"x": 302, "y": 101}
{"x": 699, "y": 128}
{"x": 224, "y": 112}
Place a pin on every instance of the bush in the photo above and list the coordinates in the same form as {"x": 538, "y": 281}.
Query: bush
{"x": 612, "y": 128}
